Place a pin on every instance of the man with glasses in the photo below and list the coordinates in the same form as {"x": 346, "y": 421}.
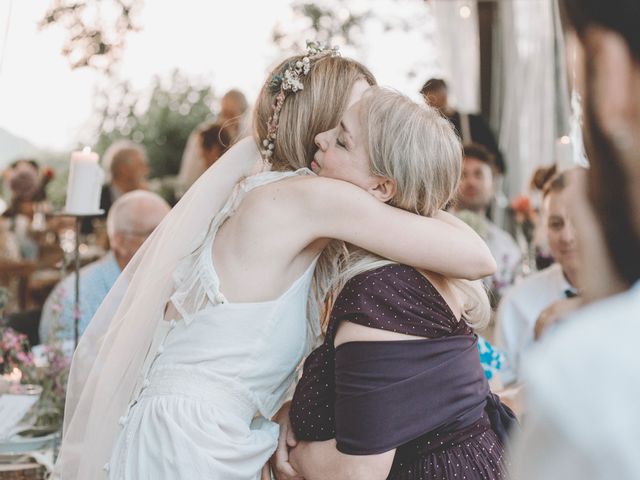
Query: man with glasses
{"x": 131, "y": 220}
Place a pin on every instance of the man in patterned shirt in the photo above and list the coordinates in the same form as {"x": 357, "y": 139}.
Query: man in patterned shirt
{"x": 131, "y": 220}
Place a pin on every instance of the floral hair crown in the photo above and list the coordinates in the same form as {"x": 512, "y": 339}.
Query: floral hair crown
{"x": 291, "y": 82}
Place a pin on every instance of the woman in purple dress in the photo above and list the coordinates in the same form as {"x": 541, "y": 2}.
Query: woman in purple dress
{"x": 396, "y": 390}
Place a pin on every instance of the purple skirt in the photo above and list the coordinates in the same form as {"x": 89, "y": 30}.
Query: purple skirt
{"x": 474, "y": 453}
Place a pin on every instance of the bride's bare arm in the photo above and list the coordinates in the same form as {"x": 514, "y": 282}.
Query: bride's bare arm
{"x": 336, "y": 209}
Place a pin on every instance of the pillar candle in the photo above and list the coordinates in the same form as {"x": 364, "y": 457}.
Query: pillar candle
{"x": 85, "y": 183}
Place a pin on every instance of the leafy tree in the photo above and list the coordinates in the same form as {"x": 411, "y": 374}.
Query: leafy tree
{"x": 348, "y": 23}
{"x": 162, "y": 123}
{"x": 333, "y": 22}
{"x": 97, "y": 30}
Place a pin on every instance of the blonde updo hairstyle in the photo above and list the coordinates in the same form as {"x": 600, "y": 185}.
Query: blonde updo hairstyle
{"x": 417, "y": 147}
{"x": 308, "y": 112}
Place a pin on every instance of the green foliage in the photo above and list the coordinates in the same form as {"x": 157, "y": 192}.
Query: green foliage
{"x": 97, "y": 30}
{"x": 162, "y": 123}
{"x": 333, "y": 22}
{"x": 344, "y": 22}
{"x": 53, "y": 378}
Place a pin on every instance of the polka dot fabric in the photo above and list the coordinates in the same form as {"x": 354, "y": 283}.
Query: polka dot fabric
{"x": 399, "y": 299}
{"x": 396, "y": 298}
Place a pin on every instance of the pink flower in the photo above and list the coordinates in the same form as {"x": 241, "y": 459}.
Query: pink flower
{"x": 521, "y": 204}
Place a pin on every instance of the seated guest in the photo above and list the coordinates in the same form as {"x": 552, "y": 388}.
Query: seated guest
{"x": 26, "y": 186}
{"x": 127, "y": 165}
{"x": 131, "y": 220}
{"x": 475, "y": 194}
{"x": 524, "y": 303}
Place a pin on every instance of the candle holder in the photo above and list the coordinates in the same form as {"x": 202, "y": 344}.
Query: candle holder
{"x": 83, "y": 200}
{"x": 76, "y": 308}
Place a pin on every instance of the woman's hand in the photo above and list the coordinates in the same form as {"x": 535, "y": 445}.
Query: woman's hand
{"x": 555, "y": 312}
{"x": 280, "y": 465}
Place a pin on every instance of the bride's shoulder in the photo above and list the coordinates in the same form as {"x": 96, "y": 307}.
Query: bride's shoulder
{"x": 304, "y": 193}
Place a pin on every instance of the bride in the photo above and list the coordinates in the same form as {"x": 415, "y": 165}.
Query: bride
{"x": 194, "y": 348}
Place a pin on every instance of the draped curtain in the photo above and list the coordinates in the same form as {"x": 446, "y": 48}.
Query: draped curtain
{"x": 529, "y": 92}
{"x": 458, "y": 47}
{"x": 530, "y": 99}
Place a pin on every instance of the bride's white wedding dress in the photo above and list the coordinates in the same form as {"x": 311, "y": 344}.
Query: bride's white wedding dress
{"x": 212, "y": 380}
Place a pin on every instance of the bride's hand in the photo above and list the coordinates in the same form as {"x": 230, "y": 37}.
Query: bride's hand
{"x": 282, "y": 469}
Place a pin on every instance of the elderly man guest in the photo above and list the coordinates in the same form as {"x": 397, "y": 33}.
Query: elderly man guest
{"x": 127, "y": 164}
{"x": 131, "y": 220}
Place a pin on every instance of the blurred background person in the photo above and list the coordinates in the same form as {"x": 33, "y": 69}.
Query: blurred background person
{"x": 543, "y": 293}
{"x": 233, "y": 122}
{"x": 475, "y": 194}
{"x": 209, "y": 142}
{"x": 131, "y": 220}
{"x": 128, "y": 169}
{"x": 583, "y": 381}
{"x": 539, "y": 180}
{"x": 26, "y": 182}
{"x": 471, "y": 128}
{"x": 214, "y": 141}
{"x": 25, "y": 187}
{"x": 234, "y": 114}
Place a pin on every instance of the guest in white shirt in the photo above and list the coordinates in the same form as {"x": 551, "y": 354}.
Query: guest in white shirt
{"x": 544, "y": 293}
{"x": 475, "y": 193}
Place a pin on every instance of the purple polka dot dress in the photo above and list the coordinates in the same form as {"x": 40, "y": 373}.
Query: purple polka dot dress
{"x": 426, "y": 397}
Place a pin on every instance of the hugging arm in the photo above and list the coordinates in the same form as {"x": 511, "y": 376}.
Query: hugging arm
{"x": 322, "y": 461}
{"x": 441, "y": 244}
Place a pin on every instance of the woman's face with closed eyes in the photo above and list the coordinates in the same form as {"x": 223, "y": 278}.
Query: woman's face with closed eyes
{"x": 342, "y": 151}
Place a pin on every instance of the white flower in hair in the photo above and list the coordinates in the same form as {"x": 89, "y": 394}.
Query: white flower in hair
{"x": 291, "y": 82}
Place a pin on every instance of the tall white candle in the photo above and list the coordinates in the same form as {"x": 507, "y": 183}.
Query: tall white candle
{"x": 85, "y": 183}
{"x": 564, "y": 153}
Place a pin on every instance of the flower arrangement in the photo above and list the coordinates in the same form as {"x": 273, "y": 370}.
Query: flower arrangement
{"x": 524, "y": 215}
{"x": 50, "y": 370}
{"x": 52, "y": 375}
{"x": 14, "y": 351}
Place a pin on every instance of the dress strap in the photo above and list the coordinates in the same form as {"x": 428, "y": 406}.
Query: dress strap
{"x": 196, "y": 283}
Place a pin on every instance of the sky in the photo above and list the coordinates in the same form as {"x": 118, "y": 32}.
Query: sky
{"x": 227, "y": 44}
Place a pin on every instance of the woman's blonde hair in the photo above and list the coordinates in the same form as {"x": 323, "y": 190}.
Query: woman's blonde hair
{"x": 414, "y": 145}
{"x": 308, "y": 112}
{"x": 316, "y": 108}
